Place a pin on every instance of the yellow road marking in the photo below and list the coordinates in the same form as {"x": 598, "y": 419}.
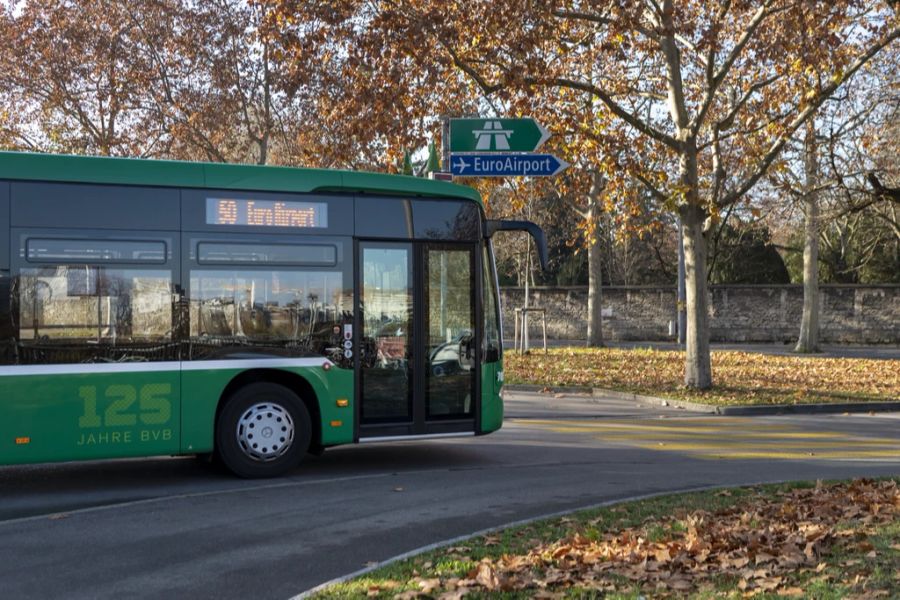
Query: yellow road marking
{"x": 861, "y": 455}
{"x": 618, "y": 429}
{"x": 801, "y": 439}
{"x": 728, "y": 446}
{"x": 728, "y": 438}
{"x": 673, "y": 423}
{"x": 697, "y": 431}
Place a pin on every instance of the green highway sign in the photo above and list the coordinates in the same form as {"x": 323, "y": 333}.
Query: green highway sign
{"x": 496, "y": 135}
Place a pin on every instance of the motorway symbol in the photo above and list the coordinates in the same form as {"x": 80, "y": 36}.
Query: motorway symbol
{"x": 496, "y": 135}
{"x": 492, "y": 137}
{"x": 506, "y": 165}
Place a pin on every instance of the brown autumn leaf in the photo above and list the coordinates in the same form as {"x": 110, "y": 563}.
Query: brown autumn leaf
{"x": 769, "y": 583}
{"x": 486, "y": 576}
{"x": 662, "y": 554}
{"x": 453, "y": 595}
{"x": 428, "y": 585}
{"x": 384, "y": 586}
{"x": 548, "y": 595}
{"x": 409, "y": 595}
{"x": 736, "y": 563}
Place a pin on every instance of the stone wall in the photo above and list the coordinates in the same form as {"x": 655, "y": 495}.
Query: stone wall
{"x": 855, "y": 314}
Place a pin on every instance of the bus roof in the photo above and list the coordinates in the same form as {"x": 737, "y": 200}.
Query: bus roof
{"x": 170, "y": 173}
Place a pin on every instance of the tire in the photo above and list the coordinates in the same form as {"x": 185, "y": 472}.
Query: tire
{"x": 263, "y": 430}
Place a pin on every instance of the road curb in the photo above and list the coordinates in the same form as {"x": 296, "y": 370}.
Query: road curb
{"x": 524, "y": 387}
{"x": 742, "y": 411}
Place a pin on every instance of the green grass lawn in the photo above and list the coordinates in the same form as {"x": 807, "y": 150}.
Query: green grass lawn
{"x": 738, "y": 377}
{"x": 822, "y": 541}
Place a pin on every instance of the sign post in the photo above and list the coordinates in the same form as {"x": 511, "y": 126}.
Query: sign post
{"x": 502, "y": 148}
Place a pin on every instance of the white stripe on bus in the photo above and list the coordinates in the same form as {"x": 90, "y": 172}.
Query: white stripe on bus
{"x": 150, "y": 367}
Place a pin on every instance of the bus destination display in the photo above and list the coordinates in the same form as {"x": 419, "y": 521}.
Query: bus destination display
{"x": 266, "y": 213}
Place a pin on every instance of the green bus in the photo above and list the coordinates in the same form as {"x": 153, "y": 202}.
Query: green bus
{"x": 254, "y": 313}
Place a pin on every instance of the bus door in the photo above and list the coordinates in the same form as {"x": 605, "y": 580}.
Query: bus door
{"x": 416, "y": 342}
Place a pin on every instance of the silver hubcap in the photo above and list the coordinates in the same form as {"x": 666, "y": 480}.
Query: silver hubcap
{"x": 265, "y": 431}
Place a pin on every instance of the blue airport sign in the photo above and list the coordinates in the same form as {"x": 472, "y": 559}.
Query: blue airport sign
{"x": 506, "y": 165}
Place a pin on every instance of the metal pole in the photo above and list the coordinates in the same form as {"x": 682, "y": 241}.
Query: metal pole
{"x": 445, "y": 143}
{"x": 525, "y": 310}
{"x": 527, "y": 274}
{"x": 682, "y": 294}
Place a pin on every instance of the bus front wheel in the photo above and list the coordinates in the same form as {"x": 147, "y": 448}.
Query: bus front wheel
{"x": 263, "y": 430}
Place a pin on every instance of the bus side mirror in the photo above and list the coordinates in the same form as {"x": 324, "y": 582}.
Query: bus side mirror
{"x": 493, "y": 226}
{"x": 492, "y": 354}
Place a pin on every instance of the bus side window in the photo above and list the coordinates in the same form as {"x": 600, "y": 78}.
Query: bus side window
{"x": 88, "y": 313}
{"x": 7, "y": 338}
{"x": 277, "y": 312}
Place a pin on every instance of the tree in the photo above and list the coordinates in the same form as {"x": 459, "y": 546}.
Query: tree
{"x": 696, "y": 103}
{"x": 164, "y": 78}
{"x": 76, "y": 75}
{"x": 218, "y": 91}
{"x": 809, "y": 321}
{"x": 823, "y": 173}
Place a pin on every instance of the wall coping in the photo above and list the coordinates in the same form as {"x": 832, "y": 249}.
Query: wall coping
{"x": 759, "y": 286}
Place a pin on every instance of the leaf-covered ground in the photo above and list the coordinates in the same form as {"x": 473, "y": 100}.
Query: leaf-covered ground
{"x": 738, "y": 377}
{"x": 838, "y": 540}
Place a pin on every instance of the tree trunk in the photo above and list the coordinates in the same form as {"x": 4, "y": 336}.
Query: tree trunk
{"x": 595, "y": 271}
{"x": 697, "y": 369}
{"x": 809, "y": 323}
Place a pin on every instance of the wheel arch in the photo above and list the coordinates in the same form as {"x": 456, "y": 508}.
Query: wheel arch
{"x": 292, "y": 381}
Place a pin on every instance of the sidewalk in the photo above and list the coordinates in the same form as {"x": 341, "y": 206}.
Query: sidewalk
{"x": 886, "y": 352}
{"x": 603, "y": 396}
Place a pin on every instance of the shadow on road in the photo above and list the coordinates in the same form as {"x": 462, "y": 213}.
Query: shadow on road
{"x": 32, "y": 490}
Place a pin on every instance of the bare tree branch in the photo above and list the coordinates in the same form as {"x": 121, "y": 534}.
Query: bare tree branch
{"x": 761, "y": 13}
{"x": 613, "y": 106}
{"x": 807, "y": 113}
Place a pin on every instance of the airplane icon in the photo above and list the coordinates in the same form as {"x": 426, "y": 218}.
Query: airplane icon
{"x": 462, "y": 165}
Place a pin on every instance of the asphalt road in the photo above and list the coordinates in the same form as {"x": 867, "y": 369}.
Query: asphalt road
{"x": 176, "y": 528}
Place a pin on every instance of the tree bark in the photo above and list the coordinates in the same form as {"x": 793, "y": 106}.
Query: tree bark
{"x": 697, "y": 366}
{"x": 809, "y": 322}
{"x": 697, "y": 369}
{"x": 595, "y": 271}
